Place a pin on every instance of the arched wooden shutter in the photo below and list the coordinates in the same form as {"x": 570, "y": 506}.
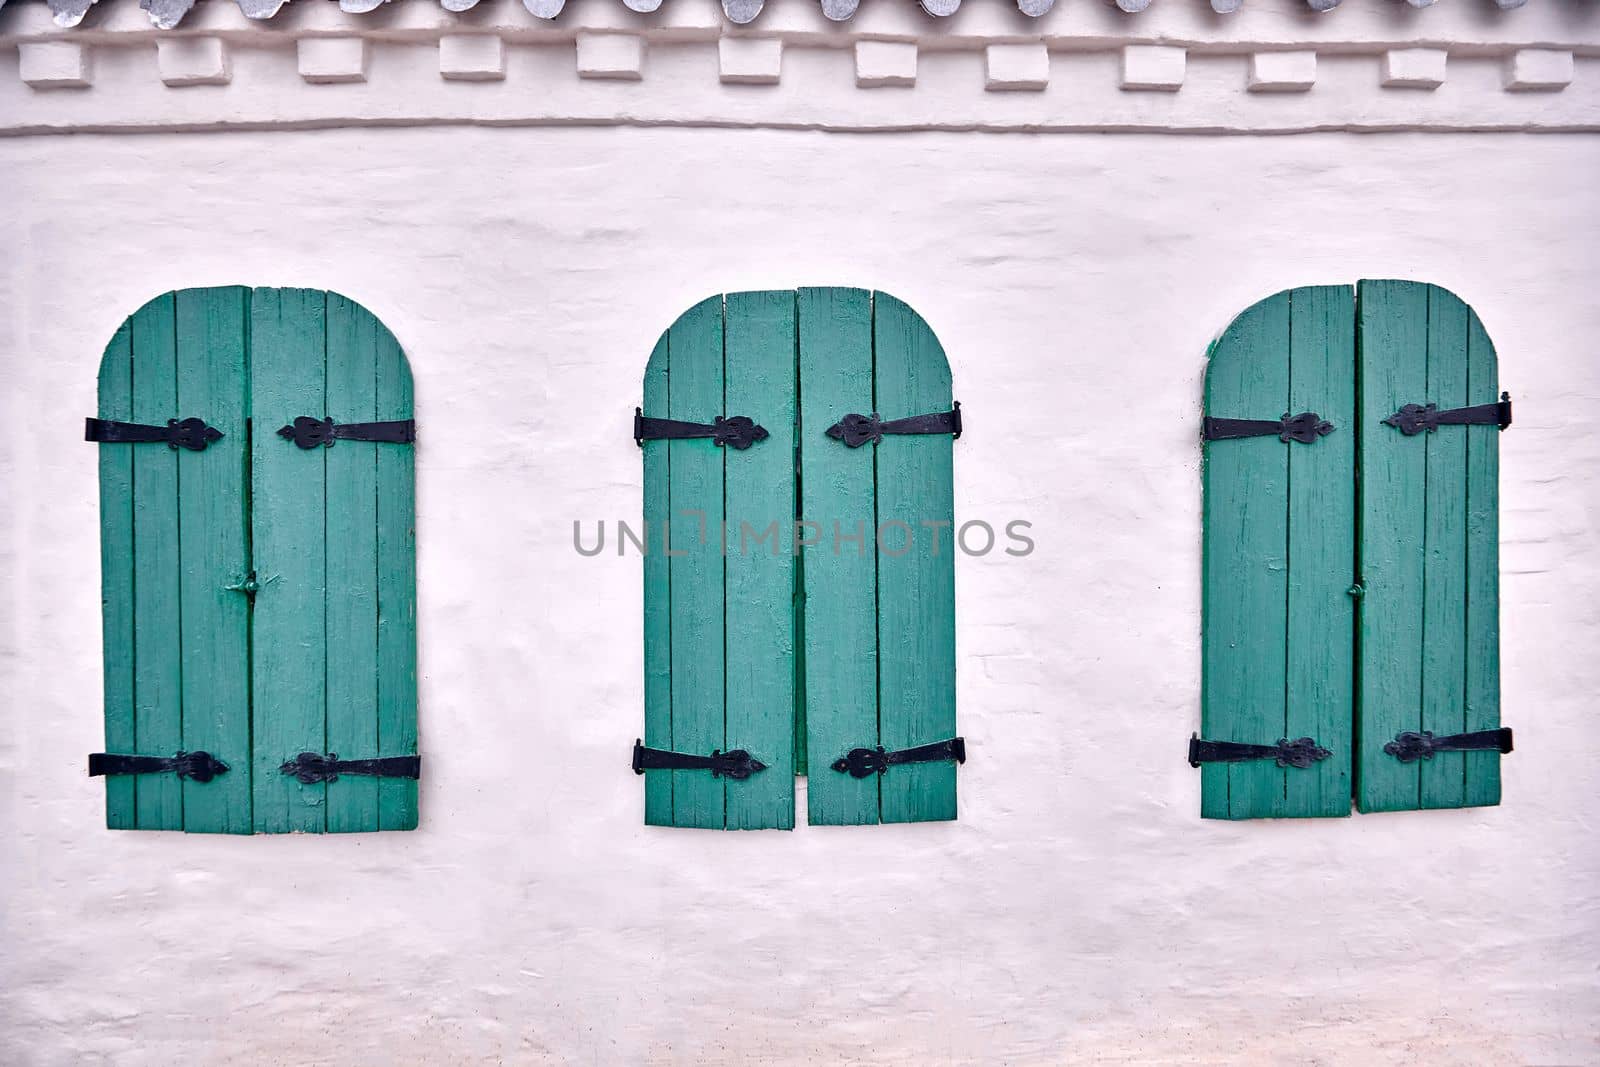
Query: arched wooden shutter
{"x": 259, "y": 596}
{"x": 1430, "y": 646}
{"x": 1279, "y": 556}
{"x": 841, "y": 647}
{"x": 174, "y": 526}
{"x": 1351, "y": 569}
{"x": 879, "y": 621}
{"x": 719, "y": 625}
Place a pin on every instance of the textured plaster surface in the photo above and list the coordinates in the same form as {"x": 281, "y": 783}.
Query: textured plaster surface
{"x": 1080, "y": 909}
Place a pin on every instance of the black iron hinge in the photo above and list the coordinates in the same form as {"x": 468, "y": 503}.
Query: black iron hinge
{"x": 313, "y": 767}
{"x": 1412, "y": 745}
{"x": 308, "y": 432}
{"x": 1413, "y": 419}
{"x": 735, "y": 431}
{"x": 200, "y": 766}
{"x": 736, "y": 764}
{"x": 190, "y": 433}
{"x": 1305, "y": 427}
{"x": 857, "y": 430}
{"x": 1302, "y": 752}
{"x": 863, "y": 762}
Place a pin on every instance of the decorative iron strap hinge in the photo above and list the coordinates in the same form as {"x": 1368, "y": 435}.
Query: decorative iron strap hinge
{"x": 200, "y": 766}
{"x": 190, "y": 433}
{"x": 1413, "y": 419}
{"x": 1305, "y": 427}
{"x": 736, "y": 764}
{"x": 857, "y": 430}
{"x": 1412, "y": 745}
{"x": 308, "y": 432}
{"x": 735, "y": 431}
{"x": 1302, "y": 752}
{"x": 864, "y": 762}
{"x": 313, "y": 767}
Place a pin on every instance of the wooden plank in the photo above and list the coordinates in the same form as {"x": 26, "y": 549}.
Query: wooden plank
{"x": 1444, "y": 553}
{"x": 1245, "y": 548}
{"x": 398, "y": 806}
{"x": 352, "y": 563}
{"x": 916, "y": 583}
{"x": 215, "y": 620}
{"x": 695, "y": 394}
{"x": 1393, "y": 339}
{"x": 157, "y": 547}
{"x": 287, "y": 348}
{"x": 1322, "y": 503}
{"x": 116, "y": 575}
{"x": 837, "y": 493}
{"x": 759, "y": 502}
{"x": 1482, "y": 673}
{"x": 657, "y": 595}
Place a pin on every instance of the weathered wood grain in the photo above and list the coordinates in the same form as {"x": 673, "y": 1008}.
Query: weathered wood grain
{"x": 117, "y": 576}
{"x": 837, "y": 493}
{"x": 397, "y": 581}
{"x": 288, "y": 332}
{"x": 758, "y": 635}
{"x": 158, "y": 551}
{"x": 215, "y": 619}
{"x": 1393, "y": 328}
{"x": 695, "y": 394}
{"x": 657, "y": 593}
{"x": 916, "y": 634}
{"x": 351, "y": 551}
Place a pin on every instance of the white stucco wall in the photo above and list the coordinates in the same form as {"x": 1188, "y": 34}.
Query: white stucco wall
{"x": 1080, "y": 908}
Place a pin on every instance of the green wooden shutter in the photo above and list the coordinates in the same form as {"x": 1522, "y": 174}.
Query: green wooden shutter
{"x": 757, "y": 648}
{"x": 324, "y": 658}
{"x": 879, "y": 621}
{"x": 1351, "y": 584}
{"x": 1279, "y": 557}
{"x": 719, "y": 626}
{"x": 173, "y": 530}
{"x": 1429, "y": 550}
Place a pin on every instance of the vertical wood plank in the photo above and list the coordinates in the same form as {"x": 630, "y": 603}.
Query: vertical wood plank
{"x": 1393, "y": 339}
{"x": 352, "y": 563}
{"x": 157, "y": 546}
{"x": 1322, "y": 502}
{"x": 116, "y": 575}
{"x": 1482, "y": 673}
{"x": 657, "y": 594}
{"x": 695, "y": 394}
{"x": 215, "y": 627}
{"x": 397, "y": 585}
{"x": 288, "y": 357}
{"x": 759, "y": 497}
{"x": 1444, "y": 549}
{"x": 837, "y": 494}
{"x": 1245, "y": 550}
{"x": 916, "y": 584}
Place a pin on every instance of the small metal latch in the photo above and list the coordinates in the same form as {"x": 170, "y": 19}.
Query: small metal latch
{"x": 308, "y": 432}
{"x": 1413, "y": 419}
{"x": 1412, "y": 745}
{"x": 857, "y": 430}
{"x": 735, "y": 431}
{"x": 862, "y": 762}
{"x": 1302, "y": 752}
{"x": 190, "y": 433}
{"x": 313, "y": 767}
{"x": 1305, "y": 427}
{"x": 200, "y": 766}
{"x": 736, "y": 763}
